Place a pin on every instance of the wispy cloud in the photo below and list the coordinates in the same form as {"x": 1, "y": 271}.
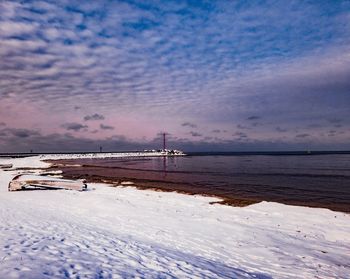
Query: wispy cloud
{"x": 20, "y": 133}
{"x": 253, "y": 117}
{"x": 242, "y": 127}
{"x": 334, "y": 120}
{"x": 195, "y": 134}
{"x": 94, "y": 116}
{"x": 281, "y": 130}
{"x": 189, "y": 124}
{"x": 106, "y": 127}
{"x": 74, "y": 126}
{"x": 240, "y": 135}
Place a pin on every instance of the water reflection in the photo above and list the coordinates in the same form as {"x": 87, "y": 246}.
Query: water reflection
{"x": 168, "y": 164}
{"x": 165, "y": 165}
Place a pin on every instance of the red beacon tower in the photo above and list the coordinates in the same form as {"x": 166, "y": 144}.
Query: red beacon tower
{"x": 164, "y": 141}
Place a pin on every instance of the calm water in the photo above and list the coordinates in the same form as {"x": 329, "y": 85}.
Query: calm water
{"x": 319, "y": 180}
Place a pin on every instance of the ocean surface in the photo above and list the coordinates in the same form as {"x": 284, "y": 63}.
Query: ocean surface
{"x": 311, "y": 180}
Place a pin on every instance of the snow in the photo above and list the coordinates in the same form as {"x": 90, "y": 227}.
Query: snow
{"x": 27, "y": 177}
{"x": 111, "y": 232}
{"x": 107, "y": 155}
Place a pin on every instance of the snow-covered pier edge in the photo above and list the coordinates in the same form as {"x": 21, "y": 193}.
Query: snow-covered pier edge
{"x": 124, "y": 232}
{"x": 99, "y": 155}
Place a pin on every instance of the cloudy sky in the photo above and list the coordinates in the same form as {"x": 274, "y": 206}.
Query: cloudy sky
{"x": 215, "y": 75}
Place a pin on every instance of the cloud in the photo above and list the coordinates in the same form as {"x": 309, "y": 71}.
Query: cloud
{"x": 57, "y": 142}
{"x": 253, "y": 117}
{"x": 195, "y": 134}
{"x": 76, "y": 127}
{"x": 95, "y": 116}
{"x": 240, "y": 135}
{"x": 65, "y": 142}
{"x": 242, "y": 127}
{"x": 216, "y": 131}
{"x": 304, "y": 135}
{"x": 333, "y": 133}
{"x": 142, "y": 63}
{"x": 256, "y": 124}
{"x": 2, "y": 124}
{"x": 20, "y": 133}
{"x": 281, "y": 130}
{"x": 189, "y": 124}
{"x": 106, "y": 127}
{"x": 313, "y": 125}
{"x": 23, "y": 133}
{"x": 11, "y": 28}
{"x": 334, "y": 120}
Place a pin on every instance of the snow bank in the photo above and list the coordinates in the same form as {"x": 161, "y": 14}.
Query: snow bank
{"x": 124, "y": 232}
{"x": 107, "y": 155}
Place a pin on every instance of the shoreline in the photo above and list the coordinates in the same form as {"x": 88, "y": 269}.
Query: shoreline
{"x": 151, "y": 185}
{"x": 95, "y": 174}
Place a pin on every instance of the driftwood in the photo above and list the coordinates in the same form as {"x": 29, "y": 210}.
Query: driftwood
{"x": 5, "y": 166}
{"x": 23, "y": 182}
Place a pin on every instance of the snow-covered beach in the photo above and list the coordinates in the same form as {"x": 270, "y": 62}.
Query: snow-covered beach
{"x": 110, "y": 232}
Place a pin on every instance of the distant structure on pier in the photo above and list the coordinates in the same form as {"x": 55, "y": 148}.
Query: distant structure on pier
{"x": 164, "y": 141}
{"x": 165, "y": 151}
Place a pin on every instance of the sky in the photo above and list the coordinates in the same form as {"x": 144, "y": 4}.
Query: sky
{"x": 214, "y": 75}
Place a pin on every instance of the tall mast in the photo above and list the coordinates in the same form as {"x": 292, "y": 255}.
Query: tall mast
{"x": 164, "y": 145}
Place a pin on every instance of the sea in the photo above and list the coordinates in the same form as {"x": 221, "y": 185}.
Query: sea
{"x": 316, "y": 180}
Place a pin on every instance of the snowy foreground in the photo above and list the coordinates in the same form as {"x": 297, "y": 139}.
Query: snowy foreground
{"x": 111, "y": 232}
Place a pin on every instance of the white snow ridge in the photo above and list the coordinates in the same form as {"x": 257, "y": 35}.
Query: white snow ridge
{"x": 111, "y": 232}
